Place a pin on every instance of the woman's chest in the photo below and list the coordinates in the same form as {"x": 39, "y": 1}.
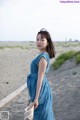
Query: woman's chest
{"x": 34, "y": 66}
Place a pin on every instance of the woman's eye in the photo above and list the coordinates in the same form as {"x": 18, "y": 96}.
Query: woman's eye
{"x": 37, "y": 39}
{"x": 40, "y": 39}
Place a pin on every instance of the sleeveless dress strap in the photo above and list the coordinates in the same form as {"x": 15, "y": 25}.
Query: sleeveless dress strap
{"x": 45, "y": 55}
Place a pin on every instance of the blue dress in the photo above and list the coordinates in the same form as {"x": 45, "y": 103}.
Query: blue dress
{"x": 44, "y": 111}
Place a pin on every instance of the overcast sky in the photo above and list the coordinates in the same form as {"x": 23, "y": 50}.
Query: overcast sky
{"x": 20, "y": 20}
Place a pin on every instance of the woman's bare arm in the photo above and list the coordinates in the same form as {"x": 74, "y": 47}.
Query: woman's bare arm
{"x": 42, "y": 67}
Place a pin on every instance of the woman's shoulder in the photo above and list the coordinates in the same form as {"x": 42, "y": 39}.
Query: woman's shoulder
{"x": 43, "y": 54}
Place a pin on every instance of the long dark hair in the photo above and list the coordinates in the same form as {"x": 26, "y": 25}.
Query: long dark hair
{"x": 50, "y": 48}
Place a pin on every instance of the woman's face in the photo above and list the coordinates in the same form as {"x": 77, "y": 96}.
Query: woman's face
{"x": 41, "y": 43}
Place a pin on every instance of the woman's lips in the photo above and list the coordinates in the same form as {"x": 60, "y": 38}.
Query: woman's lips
{"x": 39, "y": 45}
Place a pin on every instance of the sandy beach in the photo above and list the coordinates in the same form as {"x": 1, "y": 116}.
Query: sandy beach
{"x": 15, "y": 66}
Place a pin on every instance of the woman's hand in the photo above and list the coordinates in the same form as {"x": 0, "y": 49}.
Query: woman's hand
{"x": 36, "y": 103}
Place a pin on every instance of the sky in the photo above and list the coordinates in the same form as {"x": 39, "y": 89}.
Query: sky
{"x": 20, "y": 20}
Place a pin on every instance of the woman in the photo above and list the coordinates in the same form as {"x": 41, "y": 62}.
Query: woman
{"x": 37, "y": 82}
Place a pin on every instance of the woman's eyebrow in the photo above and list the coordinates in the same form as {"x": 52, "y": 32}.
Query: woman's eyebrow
{"x": 42, "y": 37}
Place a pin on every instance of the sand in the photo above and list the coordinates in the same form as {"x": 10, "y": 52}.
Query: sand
{"x": 14, "y": 67}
